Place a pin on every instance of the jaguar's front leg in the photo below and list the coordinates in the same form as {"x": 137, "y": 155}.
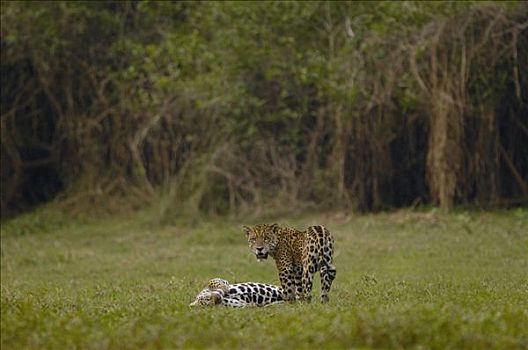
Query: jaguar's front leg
{"x": 287, "y": 279}
{"x": 298, "y": 272}
{"x": 310, "y": 267}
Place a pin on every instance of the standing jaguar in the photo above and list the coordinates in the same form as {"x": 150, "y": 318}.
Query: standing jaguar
{"x": 298, "y": 256}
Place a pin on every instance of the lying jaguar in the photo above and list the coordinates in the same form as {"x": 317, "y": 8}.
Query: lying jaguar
{"x": 221, "y": 292}
{"x": 298, "y": 256}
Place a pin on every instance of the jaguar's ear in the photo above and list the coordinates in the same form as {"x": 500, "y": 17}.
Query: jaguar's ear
{"x": 217, "y": 297}
{"x": 274, "y": 227}
{"x": 247, "y": 230}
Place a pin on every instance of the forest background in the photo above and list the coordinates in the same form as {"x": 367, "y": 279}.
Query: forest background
{"x": 231, "y": 108}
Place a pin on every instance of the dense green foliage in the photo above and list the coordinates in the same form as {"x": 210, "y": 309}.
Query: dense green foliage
{"x": 232, "y": 107}
{"x": 405, "y": 280}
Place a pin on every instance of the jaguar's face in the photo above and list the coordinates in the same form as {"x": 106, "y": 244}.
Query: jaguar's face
{"x": 207, "y": 298}
{"x": 262, "y": 240}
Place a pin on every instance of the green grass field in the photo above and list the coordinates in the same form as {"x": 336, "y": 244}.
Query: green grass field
{"x": 404, "y": 280}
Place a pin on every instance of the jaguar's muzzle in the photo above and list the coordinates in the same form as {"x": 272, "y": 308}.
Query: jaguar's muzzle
{"x": 261, "y": 256}
{"x": 261, "y": 253}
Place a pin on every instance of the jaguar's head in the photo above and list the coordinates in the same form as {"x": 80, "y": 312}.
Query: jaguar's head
{"x": 208, "y": 297}
{"x": 262, "y": 240}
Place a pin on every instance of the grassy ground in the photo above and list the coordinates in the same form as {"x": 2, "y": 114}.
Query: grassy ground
{"x": 404, "y": 280}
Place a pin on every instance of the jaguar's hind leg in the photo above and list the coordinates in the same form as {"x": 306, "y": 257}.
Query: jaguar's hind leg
{"x": 328, "y": 274}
